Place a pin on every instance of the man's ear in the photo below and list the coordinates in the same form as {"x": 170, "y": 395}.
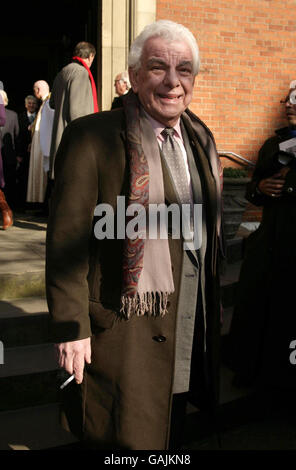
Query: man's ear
{"x": 133, "y": 76}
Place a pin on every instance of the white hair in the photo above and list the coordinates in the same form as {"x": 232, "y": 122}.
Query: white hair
{"x": 169, "y": 31}
{"x": 4, "y": 97}
{"x": 125, "y": 78}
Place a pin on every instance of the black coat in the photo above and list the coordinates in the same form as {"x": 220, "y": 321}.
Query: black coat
{"x": 117, "y": 102}
{"x": 25, "y": 136}
{"x": 264, "y": 323}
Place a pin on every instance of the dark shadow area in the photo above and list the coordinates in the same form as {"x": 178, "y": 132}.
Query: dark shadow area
{"x": 32, "y": 224}
{"x": 37, "y": 40}
{"x": 20, "y": 328}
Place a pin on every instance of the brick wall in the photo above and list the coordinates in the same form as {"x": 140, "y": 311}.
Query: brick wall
{"x": 248, "y": 55}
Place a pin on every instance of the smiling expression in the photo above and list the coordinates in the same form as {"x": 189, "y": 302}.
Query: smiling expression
{"x": 165, "y": 80}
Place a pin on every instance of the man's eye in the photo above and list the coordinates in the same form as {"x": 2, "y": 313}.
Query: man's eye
{"x": 185, "y": 71}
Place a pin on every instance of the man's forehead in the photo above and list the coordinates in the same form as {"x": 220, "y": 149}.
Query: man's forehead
{"x": 158, "y": 47}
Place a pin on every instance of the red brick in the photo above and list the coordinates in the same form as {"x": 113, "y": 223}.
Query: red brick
{"x": 248, "y": 60}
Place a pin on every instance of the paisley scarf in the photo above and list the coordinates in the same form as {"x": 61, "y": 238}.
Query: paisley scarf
{"x": 147, "y": 273}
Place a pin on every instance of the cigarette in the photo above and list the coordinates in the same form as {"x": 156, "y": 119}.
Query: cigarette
{"x": 67, "y": 381}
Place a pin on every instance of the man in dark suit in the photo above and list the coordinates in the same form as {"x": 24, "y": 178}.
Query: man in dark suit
{"x": 122, "y": 86}
{"x": 26, "y": 120}
{"x": 135, "y": 318}
{"x": 10, "y": 135}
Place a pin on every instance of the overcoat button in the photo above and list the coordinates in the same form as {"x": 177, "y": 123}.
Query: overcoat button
{"x": 290, "y": 190}
{"x": 159, "y": 339}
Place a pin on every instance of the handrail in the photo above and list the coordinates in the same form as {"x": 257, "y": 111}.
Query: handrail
{"x": 226, "y": 153}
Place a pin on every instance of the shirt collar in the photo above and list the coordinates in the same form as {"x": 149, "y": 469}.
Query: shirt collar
{"x": 158, "y": 127}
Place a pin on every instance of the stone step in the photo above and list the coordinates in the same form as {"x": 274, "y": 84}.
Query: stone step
{"x": 24, "y": 321}
{"x": 29, "y": 375}
{"x": 22, "y": 258}
{"x": 33, "y": 428}
{"x": 28, "y": 360}
{"x": 22, "y": 284}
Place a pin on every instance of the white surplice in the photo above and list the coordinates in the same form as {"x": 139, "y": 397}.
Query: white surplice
{"x": 37, "y": 179}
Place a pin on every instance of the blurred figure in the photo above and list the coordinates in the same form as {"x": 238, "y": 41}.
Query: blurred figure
{"x": 38, "y": 168}
{"x": 4, "y": 207}
{"x": 122, "y": 86}
{"x": 264, "y": 321}
{"x": 9, "y": 150}
{"x": 73, "y": 94}
{"x": 26, "y": 120}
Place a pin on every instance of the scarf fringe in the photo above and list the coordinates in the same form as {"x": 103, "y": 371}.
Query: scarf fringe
{"x": 150, "y": 304}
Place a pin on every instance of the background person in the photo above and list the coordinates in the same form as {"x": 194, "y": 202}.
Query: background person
{"x": 26, "y": 120}
{"x": 6, "y": 212}
{"x": 264, "y": 321}
{"x": 122, "y": 86}
{"x": 38, "y": 167}
{"x": 73, "y": 94}
{"x": 9, "y": 150}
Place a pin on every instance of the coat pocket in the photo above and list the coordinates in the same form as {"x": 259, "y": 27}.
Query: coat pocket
{"x": 101, "y": 318}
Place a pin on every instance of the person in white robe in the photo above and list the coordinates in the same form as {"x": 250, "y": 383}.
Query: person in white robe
{"x": 41, "y": 138}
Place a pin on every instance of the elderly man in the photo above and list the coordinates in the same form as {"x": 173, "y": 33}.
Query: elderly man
{"x": 136, "y": 320}
{"x": 39, "y": 155}
{"x": 267, "y": 280}
{"x": 26, "y": 120}
{"x": 122, "y": 86}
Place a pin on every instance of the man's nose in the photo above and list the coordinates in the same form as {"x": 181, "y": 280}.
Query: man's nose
{"x": 171, "y": 78}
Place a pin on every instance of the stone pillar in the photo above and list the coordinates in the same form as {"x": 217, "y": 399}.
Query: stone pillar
{"x": 122, "y": 21}
{"x": 115, "y": 41}
{"x": 143, "y": 12}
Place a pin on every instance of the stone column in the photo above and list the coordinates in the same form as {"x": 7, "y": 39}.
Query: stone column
{"x": 122, "y": 21}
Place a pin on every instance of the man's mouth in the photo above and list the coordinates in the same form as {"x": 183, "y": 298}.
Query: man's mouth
{"x": 169, "y": 97}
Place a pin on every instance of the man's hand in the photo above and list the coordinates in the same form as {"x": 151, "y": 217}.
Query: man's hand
{"x": 273, "y": 185}
{"x": 72, "y": 355}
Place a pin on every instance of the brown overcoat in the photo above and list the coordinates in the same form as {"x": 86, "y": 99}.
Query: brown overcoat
{"x": 125, "y": 398}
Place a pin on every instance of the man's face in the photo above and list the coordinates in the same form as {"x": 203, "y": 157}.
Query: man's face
{"x": 31, "y": 106}
{"x": 165, "y": 80}
{"x": 290, "y": 110}
{"x": 120, "y": 86}
{"x": 37, "y": 92}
